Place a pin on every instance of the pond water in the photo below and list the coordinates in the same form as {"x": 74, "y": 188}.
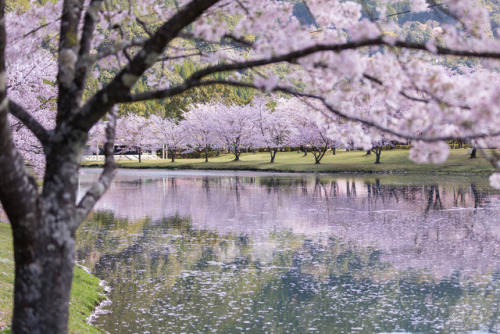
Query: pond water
{"x": 233, "y": 252}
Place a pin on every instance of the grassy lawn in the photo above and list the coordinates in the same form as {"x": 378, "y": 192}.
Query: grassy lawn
{"x": 392, "y": 161}
{"x": 85, "y": 294}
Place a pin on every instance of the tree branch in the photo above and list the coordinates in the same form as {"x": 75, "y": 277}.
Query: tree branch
{"x": 97, "y": 106}
{"x": 224, "y": 40}
{"x": 294, "y": 55}
{"x": 40, "y": 27}
{"x": 67, "y": 58}
{"x": 32, "y": 124}
{"x": 113, "y": 50}
{"x": 89, "y": 25}
{"x": 144, "y": 27}
{"x": 99, "y": 188}
{"x": 18, "y": 191}
{"x": 243, "y": 7}
{"x": 120, "y": 86}
{"x": 164, "y": 93}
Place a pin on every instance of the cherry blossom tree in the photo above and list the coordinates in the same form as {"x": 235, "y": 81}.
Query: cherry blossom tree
{"x": 168, "y": 133}
{"x": 311, "y": 135}
{"x": 97, "y": 137}
{"x": 236, "y": 127}
{"x": 385, "y": 115}
{"x": 201, "y": 123}
{"x": 378, "y": 147}
{"x": 273, "y": 127}
{"x": 134, "y": 132}
{"x": 345, "y": 60}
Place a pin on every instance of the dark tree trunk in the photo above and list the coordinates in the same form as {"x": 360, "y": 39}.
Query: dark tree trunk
{"x": 44, "y": 245}
{"x": 333, "y": 150}
{"x": 273, "y": 154}
{"x": 319, "y": 154}
{"x": 206, "y": 154}
{"x": 369, "y": 152}
{"x": 43, "y": 225}
{"x": 236, "y": 151}
{"x": 473, "y": 153}
{"x": 378, "y": 152}
{"x": 36, "y": 292}
{"x": 139, "y": 151}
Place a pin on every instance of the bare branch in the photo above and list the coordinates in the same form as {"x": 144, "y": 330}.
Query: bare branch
{"x": 119, "y": 28}
{"x": 40, "y": 27}
{"x": 89, "y": 26}
{"x": 100, "y": 186}
{"x": 32, "y": 124}
{"x": 194, "y": 54}
{"x": 238, "y": 40}
{"x": 242, "y": 43}
{"x": 67, "y": 58}
{"x": 243, "y": 7}
{"x": 114, "y": 49}
{"x": 224, "y": 40}
{"x": 144, "y": 26}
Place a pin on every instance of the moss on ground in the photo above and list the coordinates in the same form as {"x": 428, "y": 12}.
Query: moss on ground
{"x": 86, "y": 293}
{"x": 392, "y": 161}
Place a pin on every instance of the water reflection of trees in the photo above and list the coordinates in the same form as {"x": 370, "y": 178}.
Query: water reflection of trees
{"x": 426, "y": 225}
{"x": 321, "y": 187}
{"x": 168, "y": 276}
{"x": 432, "y": 194}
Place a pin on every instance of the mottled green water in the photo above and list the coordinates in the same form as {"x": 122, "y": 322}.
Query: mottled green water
{"x": 222, "y": 252}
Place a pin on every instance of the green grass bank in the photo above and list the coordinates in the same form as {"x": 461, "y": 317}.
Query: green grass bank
{"x": 392, "y": 161}
{"x": 86, "y": 293}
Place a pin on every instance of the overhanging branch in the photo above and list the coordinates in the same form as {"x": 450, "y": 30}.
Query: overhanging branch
{"x": 164, "y": 93}
{"x": 99, "y": 188}
{"x": 294, "y": 55}
{"x": 32, "y": 124}
{"x": 97, "y": 106}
